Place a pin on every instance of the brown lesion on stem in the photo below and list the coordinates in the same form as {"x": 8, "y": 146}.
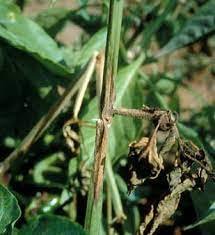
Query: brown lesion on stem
{"x": 101, "y": 139}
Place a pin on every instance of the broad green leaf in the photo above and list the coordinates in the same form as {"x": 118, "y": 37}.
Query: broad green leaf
{"x": 52, "y": 19}
{"x": 209, "y": 217}
{"x": 198, "y": 26}
{"x": 95, "y": 44}
{"x": 128, "y": 94}
{"x": 24, "y": 34}
{"x": 24, "y": 85}
{"x": 202, "y": 202}
{"x": 9, "y": 209}
{"x": 52, "y": 225}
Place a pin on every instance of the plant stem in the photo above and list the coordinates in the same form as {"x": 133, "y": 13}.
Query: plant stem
{"x": 109, "y": 210}
{"x": 94, "y": 203}
{"x": 111, "y": 181}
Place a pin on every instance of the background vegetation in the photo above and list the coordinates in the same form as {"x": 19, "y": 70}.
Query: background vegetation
{"x": 47, "y": 53}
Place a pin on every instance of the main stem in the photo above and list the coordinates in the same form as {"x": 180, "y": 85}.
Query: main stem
{"x": 94, "y": 203}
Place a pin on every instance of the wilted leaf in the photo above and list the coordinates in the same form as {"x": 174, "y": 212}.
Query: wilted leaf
{"x": 9, "y": 209}
{"x": 165, "y": 208}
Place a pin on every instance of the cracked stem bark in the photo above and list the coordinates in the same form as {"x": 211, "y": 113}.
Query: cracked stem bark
{"x": 94, "y": 203}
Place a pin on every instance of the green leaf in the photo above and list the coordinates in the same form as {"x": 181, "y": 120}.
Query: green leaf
{"x": 49, "y": 171}
{"x": 198, "y": 26}
{"x": 24, "y": 34}
{"x": 204, "y": 206}
{"x": 209, "y": 217}
{"x": 9, "y": 209}
{"x": 155, "y": 24}
{"x": 130, "y": 226}
{"x": 81, "y": 57}
{"x": 52, "y": 19}
{"x": 128, "y": 93}
{"x": 94, "y": 44}
{"x": 52, "y": 225}
{"x": 189, "y": 133}
{"x": 24, "y": 85}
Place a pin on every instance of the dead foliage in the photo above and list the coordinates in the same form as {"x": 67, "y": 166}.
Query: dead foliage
{"x": 185, "y": 167}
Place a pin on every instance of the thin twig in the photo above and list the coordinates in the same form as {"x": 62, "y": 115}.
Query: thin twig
{"x": 99, "y": 75}
{"x": 144, "y": 113}
{"x": 84, "y": 85}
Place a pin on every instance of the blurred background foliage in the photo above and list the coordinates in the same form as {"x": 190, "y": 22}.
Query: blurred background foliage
{"x": 166, "y": 60}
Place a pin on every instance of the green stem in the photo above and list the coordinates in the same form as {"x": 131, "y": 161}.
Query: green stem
{"x": 95, "y": 196}
{"x": 117, "y": 203}
{"x": 109, "y": 210}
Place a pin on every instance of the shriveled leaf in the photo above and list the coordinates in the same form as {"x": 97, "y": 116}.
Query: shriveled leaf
{"x": 151, "y": 154}
{"x": 165, "y": 208}
{"x": 9, "y": 209}
{"x": 24, "y": 34}
{"x": 52, "y": 225}
{"x": 198, "y": 26}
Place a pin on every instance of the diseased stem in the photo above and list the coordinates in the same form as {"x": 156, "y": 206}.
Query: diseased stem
{"x": 94, "y": 203}
{"x": 144, "y": 113}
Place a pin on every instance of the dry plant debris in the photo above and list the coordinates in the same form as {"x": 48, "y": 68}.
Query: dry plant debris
{"x": 185, "y": 166}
